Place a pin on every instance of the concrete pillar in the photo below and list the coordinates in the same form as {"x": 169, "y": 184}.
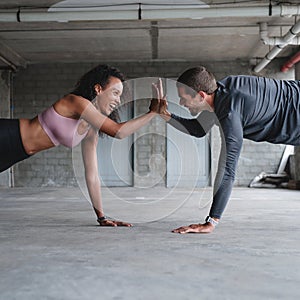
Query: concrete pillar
{"x": 5, "y": 90}
{"x": 296, "y": 162}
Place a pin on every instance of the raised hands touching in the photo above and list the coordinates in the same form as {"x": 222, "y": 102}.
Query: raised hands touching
{"x": 156, "y": 96}
{"x": 159, "y": 102}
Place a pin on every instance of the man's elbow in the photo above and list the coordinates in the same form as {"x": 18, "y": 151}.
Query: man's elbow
{"x": 198, "y": 134}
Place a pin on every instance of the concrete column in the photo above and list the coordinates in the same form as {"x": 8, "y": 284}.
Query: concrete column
{"x": 296, "y": 162}
{"x": 5, "y": 88}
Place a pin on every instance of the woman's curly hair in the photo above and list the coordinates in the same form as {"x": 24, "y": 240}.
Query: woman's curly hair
{"x": 85, "y": 87}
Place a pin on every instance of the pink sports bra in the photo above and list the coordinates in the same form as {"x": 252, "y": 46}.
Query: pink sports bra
{"x": 61, "y": 130}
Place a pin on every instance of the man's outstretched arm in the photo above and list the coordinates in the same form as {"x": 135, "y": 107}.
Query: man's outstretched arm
{"x": 232, "y": 140}
{"x": 197, "y": 127}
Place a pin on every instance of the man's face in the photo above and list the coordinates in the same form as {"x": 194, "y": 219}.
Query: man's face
{"x": 194, "y": 104}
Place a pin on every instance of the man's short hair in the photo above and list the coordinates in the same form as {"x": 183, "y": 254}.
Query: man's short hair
{"x": 197, "y": 79}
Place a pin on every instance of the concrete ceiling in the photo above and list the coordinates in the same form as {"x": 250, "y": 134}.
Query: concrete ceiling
{"x": 207, "y": 39}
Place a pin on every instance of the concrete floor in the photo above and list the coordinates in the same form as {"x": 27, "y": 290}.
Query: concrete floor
{"x": 52, "y": 248}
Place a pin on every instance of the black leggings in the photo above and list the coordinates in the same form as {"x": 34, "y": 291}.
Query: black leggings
{"x": 11, "y": 146}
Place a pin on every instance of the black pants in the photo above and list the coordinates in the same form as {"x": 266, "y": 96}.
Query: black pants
{"x": 11, "y": 146}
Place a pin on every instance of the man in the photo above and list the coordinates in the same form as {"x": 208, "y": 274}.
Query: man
{"x": 255, "y": 108}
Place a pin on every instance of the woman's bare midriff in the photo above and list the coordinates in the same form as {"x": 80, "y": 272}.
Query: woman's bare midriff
{"x": 33, "y": 136}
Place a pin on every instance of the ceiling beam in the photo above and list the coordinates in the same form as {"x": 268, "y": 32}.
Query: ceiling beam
{"x": 140, "y": 12}
{"x": 11, "y": 58}
{"x": 154, "y": 39}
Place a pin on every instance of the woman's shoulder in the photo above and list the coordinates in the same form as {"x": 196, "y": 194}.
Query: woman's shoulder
{"x": 74, "y": 98}
{"x": 71, "y": 105}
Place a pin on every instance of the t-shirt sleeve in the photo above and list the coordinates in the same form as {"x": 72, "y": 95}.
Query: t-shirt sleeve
{"x": 232, "y": 140}
{"x": 197, "y": 127}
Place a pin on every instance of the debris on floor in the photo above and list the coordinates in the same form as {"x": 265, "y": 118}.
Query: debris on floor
{"x": 283, "y": 176}
{"x": 269, "y": 180}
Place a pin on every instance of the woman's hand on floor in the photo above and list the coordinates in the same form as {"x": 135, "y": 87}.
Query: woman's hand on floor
{"x": 113, "y": 223}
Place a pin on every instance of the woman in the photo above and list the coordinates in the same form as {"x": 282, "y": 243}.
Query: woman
{"x": 75, "y": 118}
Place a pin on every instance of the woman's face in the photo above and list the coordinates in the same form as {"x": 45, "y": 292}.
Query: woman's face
{"x": 108, "y": 99}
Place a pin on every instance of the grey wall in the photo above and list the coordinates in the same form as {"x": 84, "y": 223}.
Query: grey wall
{"x": 38, "y": 86}
{"x": 5, "y": 90}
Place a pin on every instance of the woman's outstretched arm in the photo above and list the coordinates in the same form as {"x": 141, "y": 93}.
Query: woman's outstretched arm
{"x": 90, "y": 161}
{"x": 88, "y": 111}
